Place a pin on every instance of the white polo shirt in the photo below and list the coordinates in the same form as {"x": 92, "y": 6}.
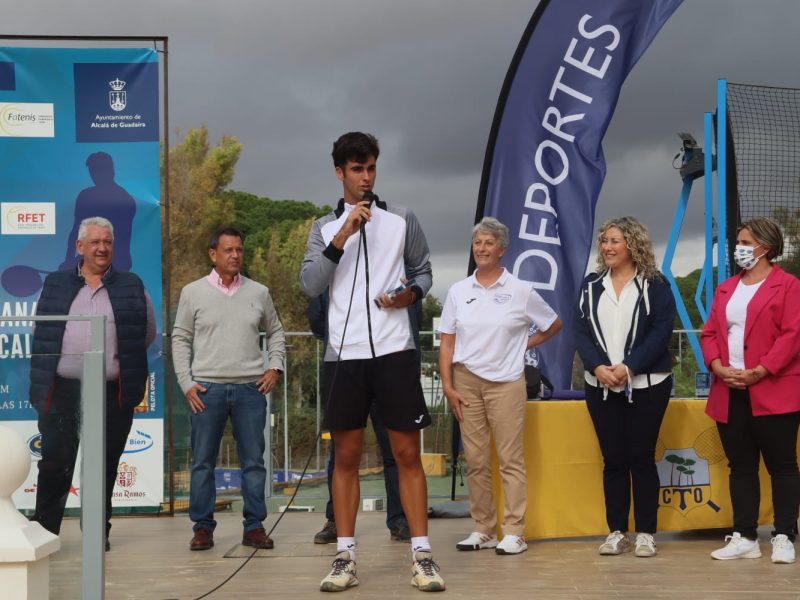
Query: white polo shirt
{"x": 491, "y": 324}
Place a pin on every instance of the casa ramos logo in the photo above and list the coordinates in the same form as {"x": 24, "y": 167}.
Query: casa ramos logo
{"x": 116, "y": 102}
{"x": 126, "y": 475}
{"x": 684, "y": 474}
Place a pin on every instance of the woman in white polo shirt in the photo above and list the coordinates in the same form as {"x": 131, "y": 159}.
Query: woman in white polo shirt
{"x": 484, "y": 335}
{"x": 626, "y": 312}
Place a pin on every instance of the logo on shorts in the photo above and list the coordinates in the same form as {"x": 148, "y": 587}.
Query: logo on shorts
{"x": 419, "y": 419}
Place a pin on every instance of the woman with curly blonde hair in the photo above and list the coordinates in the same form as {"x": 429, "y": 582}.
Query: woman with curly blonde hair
{"x": 624, "y": 322}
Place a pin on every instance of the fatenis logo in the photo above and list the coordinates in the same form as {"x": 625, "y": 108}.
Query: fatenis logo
{"x": 116, "y": 102}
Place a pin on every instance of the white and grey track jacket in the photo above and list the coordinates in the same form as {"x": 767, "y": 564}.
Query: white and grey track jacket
{"x": 395, "y": 248}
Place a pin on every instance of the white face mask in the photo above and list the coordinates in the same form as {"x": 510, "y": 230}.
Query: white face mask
{"x": 745, "y": 256}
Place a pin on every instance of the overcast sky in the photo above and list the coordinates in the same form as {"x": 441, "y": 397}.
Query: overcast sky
{"x": 286, "y": 77}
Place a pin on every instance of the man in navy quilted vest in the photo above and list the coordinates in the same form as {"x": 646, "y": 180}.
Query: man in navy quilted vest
{"x": 94, "y": 287}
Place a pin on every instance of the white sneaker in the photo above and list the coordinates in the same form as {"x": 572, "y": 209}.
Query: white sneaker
{"x": 477, "y": 541}
{"x": 645, "y": 546}
{"x": 511, "y": 544}
{"x": 616, "y": 543}
{"x": 738, "y": 547}
{"x": 425, "y": 573}
{"x": 342, "y": 575}
{"x": 782, "y": 550}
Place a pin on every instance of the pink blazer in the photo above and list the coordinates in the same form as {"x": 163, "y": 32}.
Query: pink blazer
{"x": 771, "y": 338}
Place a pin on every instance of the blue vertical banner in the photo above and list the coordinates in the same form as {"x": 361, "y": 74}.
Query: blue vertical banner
{"x": 544, "y": 164}
{"x": 79, "y": 137}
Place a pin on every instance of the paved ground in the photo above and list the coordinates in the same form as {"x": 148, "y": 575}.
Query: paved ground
{"x": 150, "y": 560}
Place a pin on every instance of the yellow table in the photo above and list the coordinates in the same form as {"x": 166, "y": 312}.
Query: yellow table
{"x": 565, "y": 472}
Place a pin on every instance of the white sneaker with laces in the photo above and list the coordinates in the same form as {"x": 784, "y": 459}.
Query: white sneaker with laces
{"x": 738, "y": 547}
{"x": 477, "y": 541}
{"x": 342, "y": 575}
{"x": 511, "y": 544}
{"x": 782, "y": 550}
{"x": 425, "y": 573}
{"x": 645, "y": 546}
{"x": 616, "y": 543}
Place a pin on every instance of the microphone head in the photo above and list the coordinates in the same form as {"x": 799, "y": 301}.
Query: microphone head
{"x": 369, "y": 197}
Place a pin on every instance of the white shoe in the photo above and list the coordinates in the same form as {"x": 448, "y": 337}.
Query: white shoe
{"x": 738, "y": 547}
{"x": 342, "y": 575}
{"x": 782, "y": 550}
{"x": 425, "y": 573}
{"x": 477, "y": 541}
{"x": 645, "y": 546}
{"x": 511, "y": 544}
{"x": 616, "y": 543}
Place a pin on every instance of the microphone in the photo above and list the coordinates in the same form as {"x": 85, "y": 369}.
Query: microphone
{"x": 371, "y": 198}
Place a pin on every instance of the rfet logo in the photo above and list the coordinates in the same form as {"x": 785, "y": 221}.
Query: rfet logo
{"x": 126, "y": 475}
{"x": 28, "y": 218}
{"x": 684, "y": 475}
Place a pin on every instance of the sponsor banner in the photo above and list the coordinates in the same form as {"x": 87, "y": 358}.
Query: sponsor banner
{"x": 139, "y": 479}
{"x": 52, "y": 179}
{"x": 28, "y": 218}
{"x": 544, "y": 164}
{"x": 25, "y": 119}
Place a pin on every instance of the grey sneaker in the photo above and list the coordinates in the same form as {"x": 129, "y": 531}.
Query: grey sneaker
{"x": 327, "y": 535}
{"x": 616, "y": 543}
{"x": 645, "y": 546}
{"x": 342, "y": 575}
{"x": 399, "y": 531}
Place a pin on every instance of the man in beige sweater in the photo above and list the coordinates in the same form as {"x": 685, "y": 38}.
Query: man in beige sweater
{"x": 221, "y": 370}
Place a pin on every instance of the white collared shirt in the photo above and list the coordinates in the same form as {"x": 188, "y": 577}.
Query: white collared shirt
{"x": 491, "y": 324}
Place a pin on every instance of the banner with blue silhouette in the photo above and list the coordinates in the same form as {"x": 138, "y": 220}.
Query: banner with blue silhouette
{"x": 544, "y": 164}
{"x": 79, "y": 137}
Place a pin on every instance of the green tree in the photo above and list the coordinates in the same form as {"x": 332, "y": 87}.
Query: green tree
{"x": 198, "y": 173}
{"x": 431, "y": 307}
{"x": 790, "y": 223}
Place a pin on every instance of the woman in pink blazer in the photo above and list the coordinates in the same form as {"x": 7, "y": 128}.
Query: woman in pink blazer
{"x": 750, "y": 343}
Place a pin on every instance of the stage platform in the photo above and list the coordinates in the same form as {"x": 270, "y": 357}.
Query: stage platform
{"x": 150, "y": 559}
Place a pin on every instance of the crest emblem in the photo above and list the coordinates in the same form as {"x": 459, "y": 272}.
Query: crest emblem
{"x": 117, "y": 97}
{"x": 126, "y": 475}
{"x": 683, "y": 473}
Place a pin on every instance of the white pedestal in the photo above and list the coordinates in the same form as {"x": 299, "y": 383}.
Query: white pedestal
{"x": 25, "y": 547}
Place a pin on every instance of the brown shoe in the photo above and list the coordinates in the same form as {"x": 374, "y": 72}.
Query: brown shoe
{"x": 257, "y": 538}
{"x": 203, "y": 540}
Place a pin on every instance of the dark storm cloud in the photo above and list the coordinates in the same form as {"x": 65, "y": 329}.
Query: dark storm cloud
{"x": 288, "y": 76}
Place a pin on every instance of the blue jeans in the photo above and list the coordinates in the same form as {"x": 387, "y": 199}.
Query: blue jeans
{"x": 247, "y": 408}
{"x": 394, "y": 509}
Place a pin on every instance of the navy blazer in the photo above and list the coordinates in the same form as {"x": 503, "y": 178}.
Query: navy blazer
{"x": 647, "y": 345}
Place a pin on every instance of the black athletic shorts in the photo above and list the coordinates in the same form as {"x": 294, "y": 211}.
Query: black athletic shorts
{"x": 390, "y": 381}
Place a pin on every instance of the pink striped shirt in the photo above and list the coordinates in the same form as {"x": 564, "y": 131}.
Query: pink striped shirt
{"x": 216, "y": 282}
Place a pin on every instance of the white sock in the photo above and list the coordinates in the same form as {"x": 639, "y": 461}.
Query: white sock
{"x": 420, "y": 544}
{"x": 346, "y": 544}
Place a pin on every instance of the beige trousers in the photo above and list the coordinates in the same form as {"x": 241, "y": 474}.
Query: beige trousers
{"x": 496, "y": 408}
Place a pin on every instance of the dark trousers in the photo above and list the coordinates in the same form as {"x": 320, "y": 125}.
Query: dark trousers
{"x": 60, "y": 428}
{"x": 745, "y": 439}
{"x": 628, "y": 433}
{"x": 394, "y": 510}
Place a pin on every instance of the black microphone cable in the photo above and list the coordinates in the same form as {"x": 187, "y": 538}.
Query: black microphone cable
{"x": 362, "y": 237}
